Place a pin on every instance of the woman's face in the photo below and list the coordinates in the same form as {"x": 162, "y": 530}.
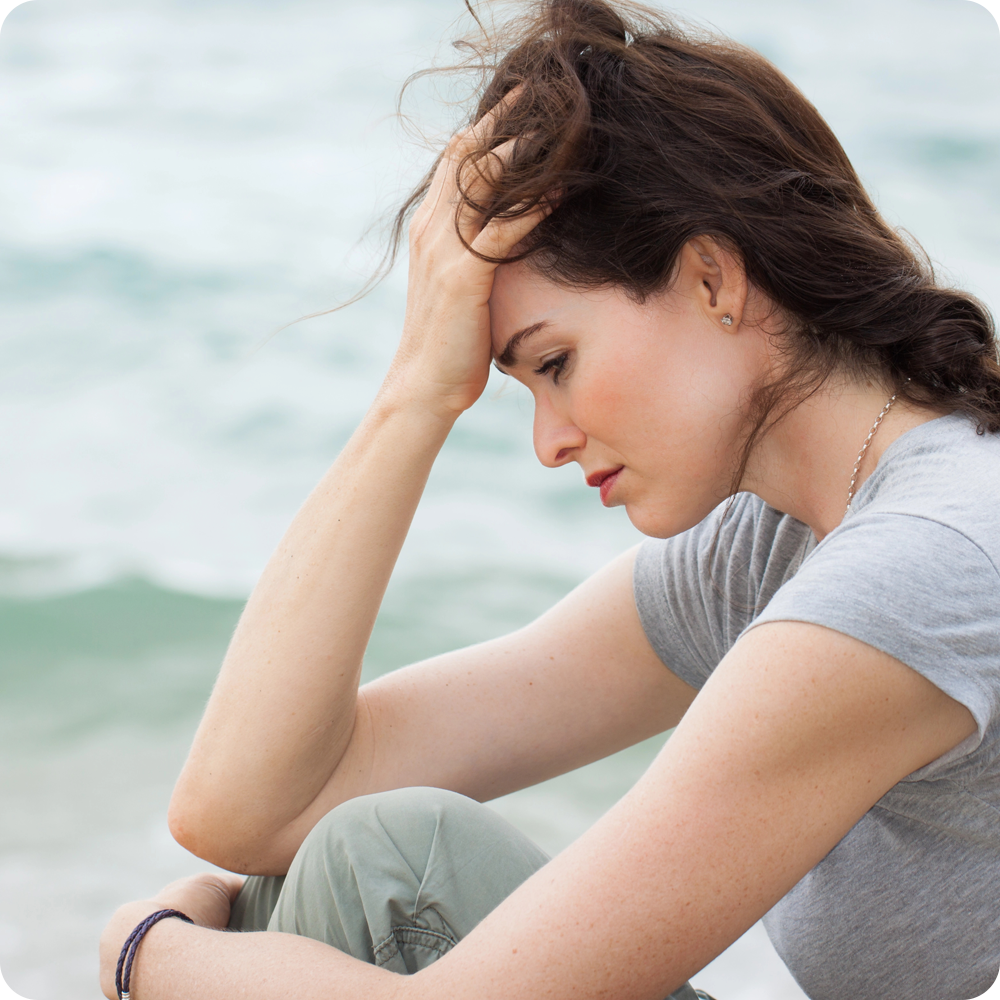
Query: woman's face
{"x": 645, "y": 398}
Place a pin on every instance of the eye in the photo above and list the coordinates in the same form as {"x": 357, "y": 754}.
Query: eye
{"x": 556, "y": 365}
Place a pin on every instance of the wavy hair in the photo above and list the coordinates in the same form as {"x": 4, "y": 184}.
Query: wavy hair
{"x": 652, "y": 134}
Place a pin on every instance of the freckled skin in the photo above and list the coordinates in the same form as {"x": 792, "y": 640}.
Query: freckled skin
{"x": 726, "y": 820}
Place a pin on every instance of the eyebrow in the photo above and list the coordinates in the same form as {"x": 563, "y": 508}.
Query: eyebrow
{"x": 507, "y": 358}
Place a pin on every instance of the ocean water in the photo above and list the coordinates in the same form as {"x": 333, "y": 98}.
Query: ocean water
{"x": 178, "y": 180}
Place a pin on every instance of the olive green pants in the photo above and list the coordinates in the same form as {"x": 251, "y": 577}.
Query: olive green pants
{"x": 396, "y": 879}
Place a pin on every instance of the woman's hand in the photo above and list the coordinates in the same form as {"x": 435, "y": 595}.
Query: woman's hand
{"x": 205, "y": 898}
{"x": 444, "y": 354}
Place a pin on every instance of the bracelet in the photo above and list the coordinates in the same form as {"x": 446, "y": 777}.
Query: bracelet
{"x": 131, "y": 946}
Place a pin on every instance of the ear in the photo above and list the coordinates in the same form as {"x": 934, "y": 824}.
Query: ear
{"x": 715, "y": 278}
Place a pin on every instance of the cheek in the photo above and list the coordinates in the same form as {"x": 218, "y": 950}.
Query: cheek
{"x": 608, "y": 406}
{"x": 598, "y": 404}
{"x": 688, "y": 396}
{"x": 630, "y": 402}
{"x": 670, "y": 410}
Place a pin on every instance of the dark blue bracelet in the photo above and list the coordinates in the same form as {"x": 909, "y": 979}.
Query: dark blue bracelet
{"x": 131, "y": 946}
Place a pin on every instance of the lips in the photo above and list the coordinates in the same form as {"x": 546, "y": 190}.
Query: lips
{"x": 605, "y": 480}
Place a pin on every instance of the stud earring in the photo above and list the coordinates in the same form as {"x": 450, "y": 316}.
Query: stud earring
{"x": 727, "y": 320}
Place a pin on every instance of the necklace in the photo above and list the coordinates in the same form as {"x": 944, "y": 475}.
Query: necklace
{"x": 864, "y": 448}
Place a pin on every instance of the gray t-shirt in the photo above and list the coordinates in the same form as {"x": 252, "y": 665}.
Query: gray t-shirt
{"x": 907, "y": 905}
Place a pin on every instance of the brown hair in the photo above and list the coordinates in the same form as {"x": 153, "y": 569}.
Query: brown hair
{"x": 652, "y": 134}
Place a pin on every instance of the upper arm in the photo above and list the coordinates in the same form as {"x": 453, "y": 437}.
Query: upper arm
{"x": 577, "y": 684}
{"x": 797, "y": 734}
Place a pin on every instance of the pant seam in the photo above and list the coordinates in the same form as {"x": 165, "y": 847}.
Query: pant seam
{"x": 386, "y": 950}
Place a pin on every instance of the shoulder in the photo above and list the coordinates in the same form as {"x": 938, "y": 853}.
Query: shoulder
{"x": 943, "y": 472}
{"x": 913, "y": 568}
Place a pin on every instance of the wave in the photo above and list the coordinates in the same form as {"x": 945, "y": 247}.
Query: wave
{"x": 125, "y": 650}
{"x": 129, "y": 649}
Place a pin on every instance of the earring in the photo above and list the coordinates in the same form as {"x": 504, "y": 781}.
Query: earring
{"x": 727, "y": 320}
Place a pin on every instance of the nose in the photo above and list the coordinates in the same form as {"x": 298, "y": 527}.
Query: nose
{"x": 557, "y": 439}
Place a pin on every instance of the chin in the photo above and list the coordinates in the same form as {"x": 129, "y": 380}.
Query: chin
{"x": 662, "y": 521}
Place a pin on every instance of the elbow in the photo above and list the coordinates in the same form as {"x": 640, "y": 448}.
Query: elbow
{"x": 212, "y": 832}
{"x": 190, "y": 825}
{"x": 205, "y": 828}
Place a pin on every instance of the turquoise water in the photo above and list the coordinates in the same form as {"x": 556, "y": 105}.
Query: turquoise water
{"x": 177, "y": 180}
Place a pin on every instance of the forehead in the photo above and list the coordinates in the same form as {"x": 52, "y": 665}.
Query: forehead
{"x": 521, "y": 298}
{"x": 518, "y": 290}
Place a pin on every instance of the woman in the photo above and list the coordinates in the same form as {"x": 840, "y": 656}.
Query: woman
{"x": 661, "y": 238}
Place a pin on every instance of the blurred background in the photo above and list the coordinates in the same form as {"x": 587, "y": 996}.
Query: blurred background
{"x": 178, "y": 178}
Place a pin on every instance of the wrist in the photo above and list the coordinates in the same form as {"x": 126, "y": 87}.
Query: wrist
{"x": 417, "y": 387}
{"x": 125, "y": 919}
{"x": 419, "y": 402}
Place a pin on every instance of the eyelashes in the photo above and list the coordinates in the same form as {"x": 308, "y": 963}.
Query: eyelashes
{"x": 555, "y": 366}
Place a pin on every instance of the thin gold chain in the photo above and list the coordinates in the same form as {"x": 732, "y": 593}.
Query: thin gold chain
{"x": 864, "y": 449}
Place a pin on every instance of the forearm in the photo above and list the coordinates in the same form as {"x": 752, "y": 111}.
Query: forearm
{"x": 178, "y": 960}
{"x": 283, "y": 708}
{"x": 281, "y": 718}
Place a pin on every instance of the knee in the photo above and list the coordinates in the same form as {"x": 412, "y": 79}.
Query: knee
{"x": 365, "y": 857}
{"x": 402, "y": 802}
{"x": 371, "y": 850}
{"x": 424, "y": 829}
{"x": 421, "y": 857}
{"x": 395, "y": 820}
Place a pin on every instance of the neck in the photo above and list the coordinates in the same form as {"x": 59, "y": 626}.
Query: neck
{"x": 803, "y": 466}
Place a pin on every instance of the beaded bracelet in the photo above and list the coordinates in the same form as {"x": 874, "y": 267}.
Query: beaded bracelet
{"x": 131, "y": 946}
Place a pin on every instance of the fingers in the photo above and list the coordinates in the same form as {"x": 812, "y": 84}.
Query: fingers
{"x": 224, "y": 882}
{"x": 473, "y": 187}
{"x": 499, "y": 237}
{"x": 476, "y": 175}
{"x": 233, "y": 884}
{"x": 477, "y": 180}
{"x": 479, "y": 134}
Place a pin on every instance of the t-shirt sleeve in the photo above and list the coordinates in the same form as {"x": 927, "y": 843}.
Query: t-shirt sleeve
{"x": 920, "y": 591}
{"x": 673, "y": 608}
{"x": 698, "y": 591}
